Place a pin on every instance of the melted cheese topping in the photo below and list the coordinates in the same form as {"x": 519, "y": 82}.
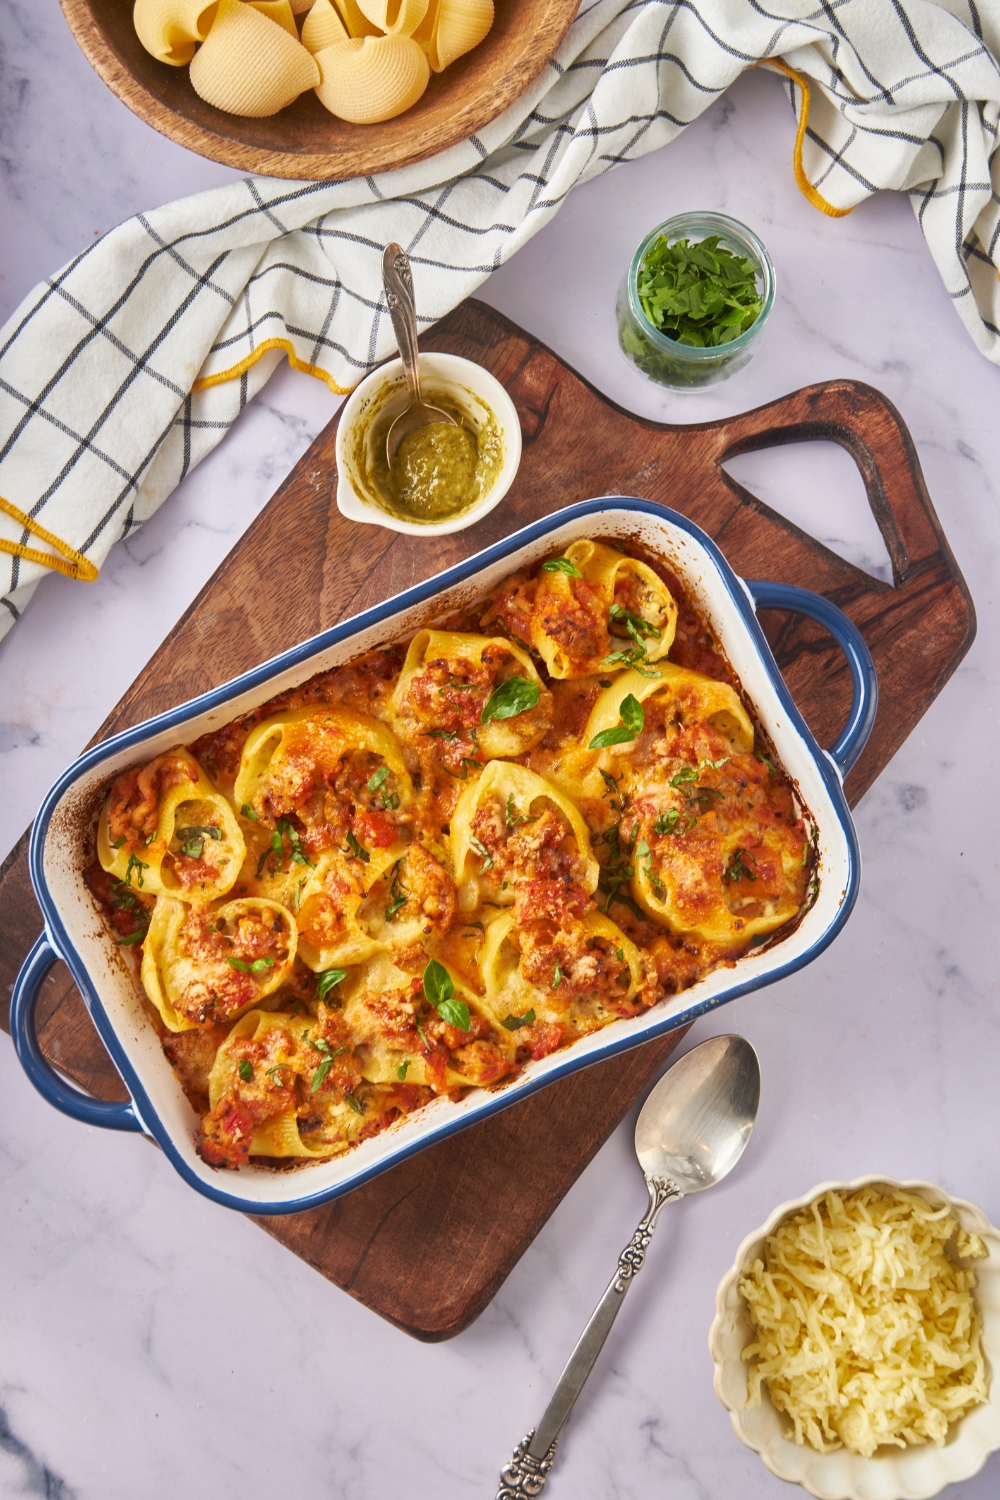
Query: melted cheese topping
{"x": 866, "y": 1328}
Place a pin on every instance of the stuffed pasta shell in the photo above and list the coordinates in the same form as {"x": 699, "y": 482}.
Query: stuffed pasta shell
{"x": 470, "y": 696}
{"x": 511, "y": 826}
{"x": 313, "y": 779}
{"x": 202, "y": 965}
{"x": 591, "y": 611}
{"x": 402, "y": 1034}
{"x": 164, "y": 827}
{"x": 549, "y": 984}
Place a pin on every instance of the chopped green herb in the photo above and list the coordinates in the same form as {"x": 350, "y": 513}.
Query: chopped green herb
{"x": 666, "y": 822}
{"x": 246, "y": 1070}
{"x": 635, "y": 625}
{"x": 247, "y": 812}
{"x": 620, "y": 955}
{"x": 376, "y": 779}
{"x": 632, "y": 721}
{"x": 192, "y": 840}
{"x": 356, "y": 850}
{"x": 514, "y": 1023}
{"x": 481, "y": 848}
{"x": 765, "y": 762}
{"x": 401, "y": 1070}
{"x": 699, "y": 294}
{"x": 441, "y": 734}
{"x": 561, "y": 565}
{"x": 423, "y": 1037}
{"x": 133, "y": 937}
{"x": 714, "y": 765}
{"x": 238, "y": 963}
{"x": 511, "y": 815}
{"x": 685, "y": 774}
{"x": 326, "y": 981}
{"x": 805, "y": 855}
{"x": 398, "y": 895}
{"x": 739, "y": 868}
{"x": 474, "y": 927}
{"x": 118, "y": 842}
{"x": 355, "y": 1103}
{"x": 260, "y": 964}
{"x": 515, "y": 696}
{"x": 138, "y": 866}
{"x": 270, "y": 1072}
{"x": 557, "y": 977}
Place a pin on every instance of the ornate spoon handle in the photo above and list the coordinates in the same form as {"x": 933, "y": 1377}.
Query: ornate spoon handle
{"x": 397, "y": 278}
{"x": 527, "y": 1471}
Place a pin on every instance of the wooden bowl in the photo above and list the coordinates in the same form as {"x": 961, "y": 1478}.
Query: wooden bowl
{"x": 305, "y": 140}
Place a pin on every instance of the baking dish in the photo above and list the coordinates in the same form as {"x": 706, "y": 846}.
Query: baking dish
{"x": 75, "y": 933}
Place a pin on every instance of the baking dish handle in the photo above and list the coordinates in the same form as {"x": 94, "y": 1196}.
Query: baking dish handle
{"x": 46, "y": 1080}
{"x": 864, "y": 679}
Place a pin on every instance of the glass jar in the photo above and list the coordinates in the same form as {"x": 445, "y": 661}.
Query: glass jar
{"x": 682, "y": 367}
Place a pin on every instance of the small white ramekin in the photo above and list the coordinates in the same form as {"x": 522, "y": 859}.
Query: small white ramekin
{"x": 898, "y": 1474}
{"x": 444, "y": 370}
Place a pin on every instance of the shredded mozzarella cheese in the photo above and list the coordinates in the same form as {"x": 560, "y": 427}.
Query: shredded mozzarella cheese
{"x": 866, "y": 1328}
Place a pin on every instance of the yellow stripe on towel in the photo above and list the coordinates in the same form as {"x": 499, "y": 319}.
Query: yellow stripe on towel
{"x": 222, "y": 376}
{"x": 815, "y": 198}
{"x": 69, "y": 561}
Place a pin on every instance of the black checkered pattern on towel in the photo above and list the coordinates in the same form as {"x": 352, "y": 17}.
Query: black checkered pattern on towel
{"x": 98, "y": 422}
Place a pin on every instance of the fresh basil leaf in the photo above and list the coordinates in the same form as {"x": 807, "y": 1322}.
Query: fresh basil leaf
{"x": 118, "y": 842}
{"x": 247, "y": 812}
{"x": 238, "y": 963}
{"x": 401, "y": 1070}
{"x": 633, "y": 720}
{"x": 438, "y": 984}
{"x": 260, "y": 964}
{"x": 515, "y": 696}
{"x": 246, "y": 1071}
{"x": 666, "y": 822}
{"x": 137, "y": 937}
{"x": 456, "y": 1013}
{"x": 138, "y": 866}
{"x": 557, "y": 977}
{"x": 514, "y": 1023}
{"x": 685, "y": 774}
{"x": 376, "y": 779}
{"x": 561, "y": 565}
{"x": 326, "y": 981}
{"x": 355, "y": 1103}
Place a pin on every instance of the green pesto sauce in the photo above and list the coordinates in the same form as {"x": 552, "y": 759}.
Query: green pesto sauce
{"x": 439, "y": 470}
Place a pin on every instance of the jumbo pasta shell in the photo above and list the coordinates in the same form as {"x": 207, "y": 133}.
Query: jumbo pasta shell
{"x": 322, "y": 27}
{"x": 250, "y": 66}
{"x": 395, "y": 17}
{"x": 453, "y": 27}
{"x": 373, "y": 79}
{"x": 279, "y": 11}
{"x": 357, "y": 23}
{"x": 171, "y": 29}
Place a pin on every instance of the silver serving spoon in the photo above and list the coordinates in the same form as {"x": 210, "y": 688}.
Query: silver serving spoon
{"x": 397, "y": 279}
{"x": 691, "y": 1131}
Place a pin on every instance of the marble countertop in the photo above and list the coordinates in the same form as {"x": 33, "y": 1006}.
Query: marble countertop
{"x": 152, "y": 1344}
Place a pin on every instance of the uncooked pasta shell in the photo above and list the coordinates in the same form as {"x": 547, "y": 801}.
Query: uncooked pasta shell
{"x": 322, "y": 27}
{"x": 373, "y": 79}
{"x": 453, "y": 27}
{"x": 171, "y": 29}
{"x": 395, "y": 17}
{"x": 277, "y": 10}
{"x": 354, "y": 19}
{"x": 248, "y": 65}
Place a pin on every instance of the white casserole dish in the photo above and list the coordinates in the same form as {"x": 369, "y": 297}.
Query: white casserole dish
{"x": 75, "y": 932}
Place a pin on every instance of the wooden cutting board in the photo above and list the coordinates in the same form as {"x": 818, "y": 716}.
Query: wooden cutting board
{"x": 428, "y": 1243}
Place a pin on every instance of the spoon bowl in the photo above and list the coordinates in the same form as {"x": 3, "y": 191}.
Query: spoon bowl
{"x": 696, "y": 1121}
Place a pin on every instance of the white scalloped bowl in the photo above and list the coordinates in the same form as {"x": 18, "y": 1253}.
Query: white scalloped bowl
{"x": 895, "y": 1474}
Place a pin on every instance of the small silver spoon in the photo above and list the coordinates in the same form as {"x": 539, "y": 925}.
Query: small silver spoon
{"x": 397, "y": 279}
{"x": 691, "y": 1131}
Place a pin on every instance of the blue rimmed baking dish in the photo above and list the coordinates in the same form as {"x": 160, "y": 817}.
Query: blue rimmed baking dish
{"x": 75, "y": 933}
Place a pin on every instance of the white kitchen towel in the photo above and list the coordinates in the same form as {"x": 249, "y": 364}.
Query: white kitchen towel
{"x": 119, "y": 374}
